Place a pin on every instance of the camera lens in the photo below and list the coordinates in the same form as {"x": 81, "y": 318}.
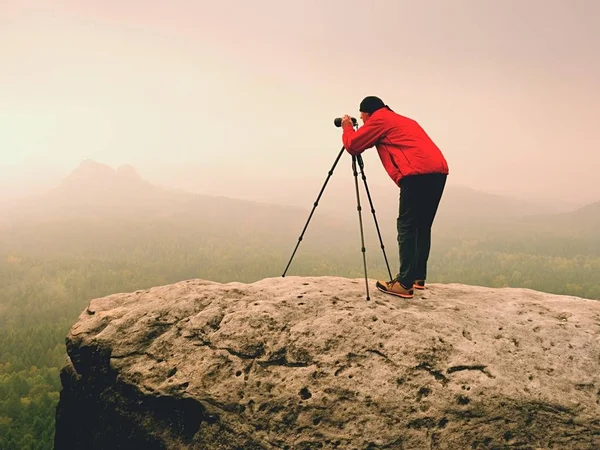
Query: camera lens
{"x": 338, "y": 121}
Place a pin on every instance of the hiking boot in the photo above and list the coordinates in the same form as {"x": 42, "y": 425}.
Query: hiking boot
{"x": 419, "y": 284}
{"x": 394, "y": 287}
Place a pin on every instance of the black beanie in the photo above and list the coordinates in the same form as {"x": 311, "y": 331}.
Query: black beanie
{"x": 371, "y": 104}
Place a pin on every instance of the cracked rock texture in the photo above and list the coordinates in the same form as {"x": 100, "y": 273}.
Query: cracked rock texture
{"x": 308, "y": 363}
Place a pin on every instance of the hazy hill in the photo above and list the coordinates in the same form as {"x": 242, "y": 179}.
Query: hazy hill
{"x": 460, "y": 203}
{"x": 589, "y": 213}
{"x": 97, "y": 207}
{"x": 94, "y": 189}
{"x": 96, "y": 201}
{"x": 583, "y": 223}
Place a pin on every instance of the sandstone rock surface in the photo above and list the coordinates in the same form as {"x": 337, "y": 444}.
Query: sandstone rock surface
{"x": 308, "y": 363}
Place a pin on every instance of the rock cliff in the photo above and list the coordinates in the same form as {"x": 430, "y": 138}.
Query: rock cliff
{"x": 308, "y": 363}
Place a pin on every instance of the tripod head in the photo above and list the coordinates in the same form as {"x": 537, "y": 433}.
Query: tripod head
{"x": 338, "y": 121}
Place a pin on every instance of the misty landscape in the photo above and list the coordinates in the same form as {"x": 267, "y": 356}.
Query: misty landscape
{"x": 144, "y": 145}
{"x": 103, "y": 230}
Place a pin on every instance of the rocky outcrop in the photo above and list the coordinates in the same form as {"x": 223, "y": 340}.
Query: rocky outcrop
{"x": 308, "y": 363}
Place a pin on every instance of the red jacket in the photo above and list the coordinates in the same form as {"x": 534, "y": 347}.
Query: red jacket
{"x": 403, "y": 146}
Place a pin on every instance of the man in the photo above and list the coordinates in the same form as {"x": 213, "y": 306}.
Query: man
{"x": 419, "y": 168}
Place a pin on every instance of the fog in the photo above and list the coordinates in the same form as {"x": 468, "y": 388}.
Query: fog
{"x": 238, "y": 98}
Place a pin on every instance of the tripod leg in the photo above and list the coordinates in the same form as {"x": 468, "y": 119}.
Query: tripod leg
{"x": 313, "y": 209}
{"x": 362, "y": 237}
{"x": 364, "y": 177}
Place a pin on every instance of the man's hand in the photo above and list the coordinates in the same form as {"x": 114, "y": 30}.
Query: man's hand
{"x": 347, "y": 120}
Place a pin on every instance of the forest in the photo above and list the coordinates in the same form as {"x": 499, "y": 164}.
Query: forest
{"x": 51, "y": 269}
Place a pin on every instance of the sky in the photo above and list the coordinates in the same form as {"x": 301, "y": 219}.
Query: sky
{"x": 239, "y": 97}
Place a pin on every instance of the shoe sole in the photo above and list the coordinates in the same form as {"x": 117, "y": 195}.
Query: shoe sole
{"x": 395, "y": 294}
{"x": 420, "y": 288}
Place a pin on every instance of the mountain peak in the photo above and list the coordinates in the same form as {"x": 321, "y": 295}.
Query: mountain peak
{"x": 128, "y": 171}
{"x": 90, "y": 164}
{"x": 92, "y": 174}
{"x": 91, "y": 167}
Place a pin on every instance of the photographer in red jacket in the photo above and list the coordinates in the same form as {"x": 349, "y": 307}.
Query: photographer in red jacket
{"x": 419, "y": 168}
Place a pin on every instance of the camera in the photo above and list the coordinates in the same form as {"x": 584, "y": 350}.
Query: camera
{"x": 338, "y": 121}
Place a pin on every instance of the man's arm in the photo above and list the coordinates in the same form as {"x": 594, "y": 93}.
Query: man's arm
{"x": 357, "y": 141}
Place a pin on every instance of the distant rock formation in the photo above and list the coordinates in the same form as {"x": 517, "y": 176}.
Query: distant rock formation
{"x": 91, "y": 174}
{"x": 127, "y": 171}
{"x": 307, "y": 363}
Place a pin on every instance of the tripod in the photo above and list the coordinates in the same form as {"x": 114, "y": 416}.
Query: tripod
{"x": 355, "y": 159}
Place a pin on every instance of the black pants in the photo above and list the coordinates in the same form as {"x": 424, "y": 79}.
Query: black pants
{"x": 420, "y": 196}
